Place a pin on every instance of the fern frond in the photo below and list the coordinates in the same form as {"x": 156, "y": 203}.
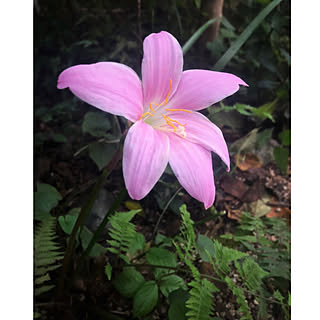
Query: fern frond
{"x": 252, "y": 274}
{"x": 187, "y": 229}
{"x": 200, "y": 302}
{"x": 241, "y": 299}
{"x": 46, "y": 256}
{"x": 224, "y": 256}
{"x": 122, "y": 233}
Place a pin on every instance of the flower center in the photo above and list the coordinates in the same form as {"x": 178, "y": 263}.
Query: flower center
{"x": 158, "y": 117}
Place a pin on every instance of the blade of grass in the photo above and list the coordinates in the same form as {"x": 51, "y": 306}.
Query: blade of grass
{"x": 234, "y": 48}
{"x": 196, "y": 35}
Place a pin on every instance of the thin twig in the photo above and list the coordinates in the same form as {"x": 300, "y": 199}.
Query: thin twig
{"x": 85, "y": 210}
{"x": 163, "y": 212}
{"x": 100, "y": 140}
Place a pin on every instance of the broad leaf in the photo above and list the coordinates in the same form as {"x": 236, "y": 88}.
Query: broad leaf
{"x": 128, "y": 282}
{"x": 281, "y": 156}
{"x": 177, "y": 300}
{"x": 171, "y": 283}
{"x": 45, "y": 199}
{"x": 102, "y": 153}
{"x": 203, "y": 244}
{"x": 145, "y": 299}
{"x": 67, "y": 223}
{"x": 96, "y": 124}
{"x": 285, "y": 137}
{"x": 161, "y": 257}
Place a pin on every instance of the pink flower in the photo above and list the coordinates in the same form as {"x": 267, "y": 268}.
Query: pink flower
{"x": 163, "y": 107}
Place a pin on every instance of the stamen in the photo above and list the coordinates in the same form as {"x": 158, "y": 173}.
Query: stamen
{"x": 163, "y": 102}
{"x": 149, "y": 113}
{"x": 183, "y": 125}
{"x": 169, "y": 123}
{"x": 151, "y": 107}
{"x": 179, "y": 110}
{"x": 166, "y": 100}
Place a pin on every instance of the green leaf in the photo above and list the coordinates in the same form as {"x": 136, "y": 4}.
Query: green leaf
{"x": 204, "y": 243}
{"x": 289, "y": 299}
{"x": 46, "y": 198}
{"x": 145, "y": 299}
{"x": 128, "y": 282}
{"x": 162, "y": 240}
{"x": 237, "y": 44}
{"x": 161, "y": 257}
{"x": 252, "y": 274}
{"x": 102, "y": 153}
{"x": 265, "y": 111}
{"x": 138, "y": 243}
{"x": 67, "y": 223}
{"x": 58, "y": 137}
{"x": 197, "y": 3}
{"x": 85, "y": 237}
{"x": 96, "y": 124}
{"x": 224, "y": 256}
{"x": 281, "y": 156}
{"x": 196, "y": 35}
{"x": 244, "y": 109}
{"x": 278, "y": 296}
{"x": 263, "y": 137}
{"x": 285, "y": 137}
{"x": 108, "y": 271}
{"x": 177, "y": 300}
{"x": 171, "y": 283}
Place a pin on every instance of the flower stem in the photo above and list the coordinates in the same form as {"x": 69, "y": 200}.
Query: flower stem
{"x": 85, "y": 210}
{"x": 102, "y": 225}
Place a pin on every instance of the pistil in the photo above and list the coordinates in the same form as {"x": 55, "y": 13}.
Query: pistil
{"x": 174, "y": 124}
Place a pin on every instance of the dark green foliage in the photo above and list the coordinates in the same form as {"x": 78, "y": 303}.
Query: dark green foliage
{"x": 128, "y": 282}
{"x": 241, "y": 299}
{"x": 272, "y": 255}
{"x": 45, "y": 199}
{"x": 269, "y": 259}
{"x": 161, "y": 257}
{"x": 224, "y": 256}
{"x": 46, "y": 255}
{"x": 178, "y": 309}
{"x": 145, "y": 299}
{"x": 122, "y": 233}
{"x": 200, "y": 302}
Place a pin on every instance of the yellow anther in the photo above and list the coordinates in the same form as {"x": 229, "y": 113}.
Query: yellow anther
{"x": 184, "y": 110}
{"x": 183, "y": 125}
{"x": 168, "y": 121}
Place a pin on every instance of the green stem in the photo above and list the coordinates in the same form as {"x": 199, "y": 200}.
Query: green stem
{"x": 85, "y": 210}
{"x": 102, "y": 225}
{"x": 163, "y": 212}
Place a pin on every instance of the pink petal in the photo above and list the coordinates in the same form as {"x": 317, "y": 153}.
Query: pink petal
{"x": 109, "y": 86}
{"x": 201, "y": 130}
{"x": 162, "y": 61}
{"x": 145, "y": 157}
{"x": 192, "y": 165}
{"x": 199, "y": 89}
